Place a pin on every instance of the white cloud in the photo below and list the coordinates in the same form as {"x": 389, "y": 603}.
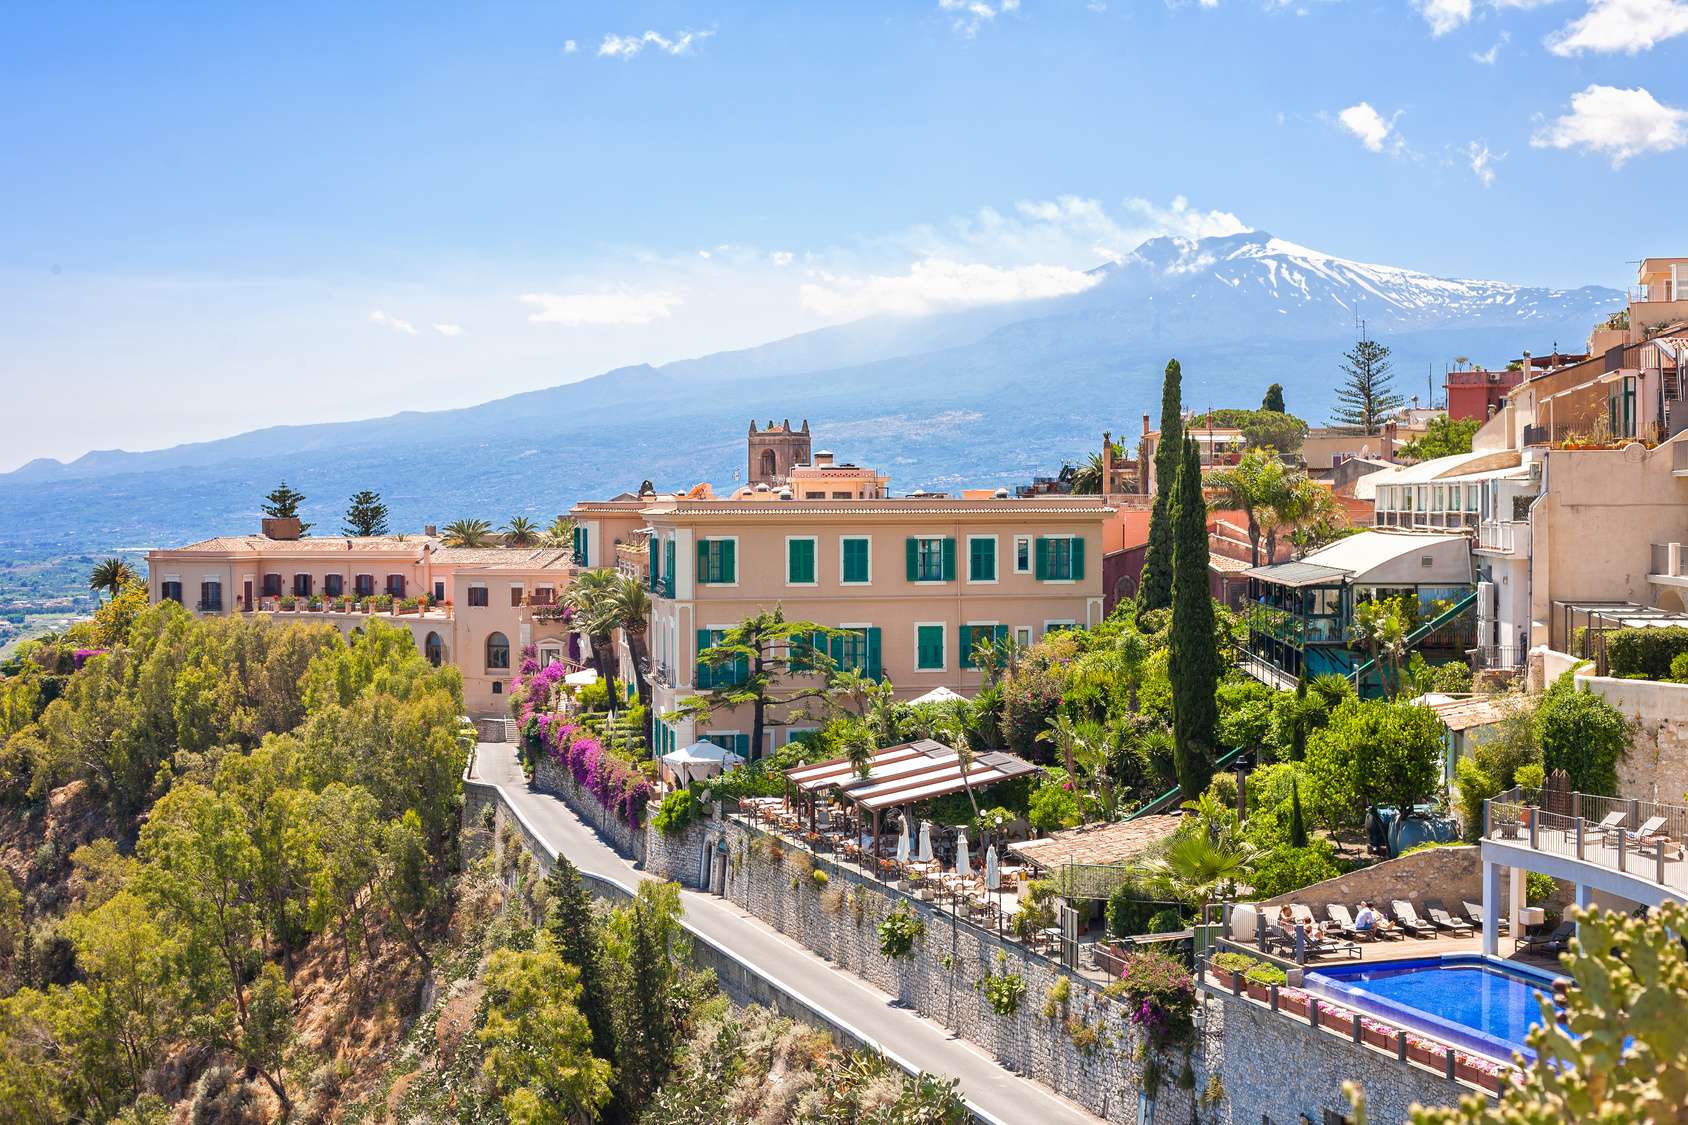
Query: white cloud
{"x": 626, "y": 46}
{"x": 1621, "y": 123}
{"x": 1373, "y": 130}
{"x": 608, "y": 306}
{"x": 393, "y": 322}
{"x": 1180, "y": 220}
{"x": 1482, "y": 162}
{"x": 1444, "y": 16}
{"x": 570, "y": 46}
{"x": 1489, "y": 57}
{"x": 1631, "y": 26}
{"x": 937, "y": 283}
{"x": 449, "y": 329}
{"x": 781, "y": 257}
{"x": 971, "y": 15}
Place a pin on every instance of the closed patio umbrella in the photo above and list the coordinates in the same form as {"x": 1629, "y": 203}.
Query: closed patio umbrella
{"x": 993, "y": 875}
{"x": 925, "y": 852}
{"x": 902, "y": 844}
{"x": 963, "y": 865}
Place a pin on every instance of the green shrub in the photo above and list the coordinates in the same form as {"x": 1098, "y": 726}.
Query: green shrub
{"x": 1266, "y": 975}
{"x": 1284, "y": 869}
{"x": 1004, "y": 991}
{"x": 1166, "y": 921}
{"x": 1056, "y": 998}
{"x": 1234, "y": 962}
{"x": 1583, "y": 735}
{"x": 1053, "y": 807}
{"x": 897, "y": 933}
{"x": 1531, "y": 775}
{"x": 678, "y": 809}
{"x": 1679, "y": 668}
{"x": 1645, "y": 652}
{"x": 1538, "y": 888}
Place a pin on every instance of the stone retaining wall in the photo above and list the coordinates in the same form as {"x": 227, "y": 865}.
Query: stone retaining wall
{"x": 1452, "y": 874}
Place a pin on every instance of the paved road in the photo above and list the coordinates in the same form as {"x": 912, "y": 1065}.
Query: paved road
{"x": 990, "y": 1090}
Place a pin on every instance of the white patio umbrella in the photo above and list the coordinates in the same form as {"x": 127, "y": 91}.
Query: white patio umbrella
{"x": 963, "y": 866}
{"x": 902, "y": 843}
{"x": 924, "y": 855}
{"x": 939, "y": 695}
{"x": 993, "y": 875}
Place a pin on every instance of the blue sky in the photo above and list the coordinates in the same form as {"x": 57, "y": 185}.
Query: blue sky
{"x": 220, "y": 216}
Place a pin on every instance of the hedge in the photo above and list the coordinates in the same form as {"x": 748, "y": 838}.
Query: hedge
{"x": 1645, "y": 652}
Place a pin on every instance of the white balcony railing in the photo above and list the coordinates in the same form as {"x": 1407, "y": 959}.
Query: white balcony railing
{"x": 1667, "y": 560}
{"x": 1505, "y": 537}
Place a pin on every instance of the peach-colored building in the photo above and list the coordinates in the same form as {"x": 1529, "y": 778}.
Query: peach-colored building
{"x": 475, "y": 608}
{"x": 915, "y": 580}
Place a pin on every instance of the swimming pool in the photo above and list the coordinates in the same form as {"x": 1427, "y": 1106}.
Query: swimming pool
{"x": 1484, "y": 1005}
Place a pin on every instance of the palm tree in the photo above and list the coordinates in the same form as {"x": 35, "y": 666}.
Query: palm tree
{"x": 629, "y": 604}
{"x": 1302, "y": 510}
{"x": 1131, "y": 660}
{"x": 520, "y": 532}
{"x": 467, "y": 533}
{"x": 111, "y": 575}
{"x": 1197, "y": 869}
{"x": 592, "y": 596}
{"x": 1256, "y": 482}
{"x": 560, "y": 533}
{"x": 1083, "y": 746}
{"x": 1381, "y": 627}
{"x": 859, "y": 749}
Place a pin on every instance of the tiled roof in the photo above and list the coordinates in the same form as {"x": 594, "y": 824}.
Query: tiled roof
{"x": 1101, "y": 844}
{"x": 311, "y": 544}
{"x": 883, "y": 507}
{"x": 507, "y": 558}
{"x": 1225, "y": 564}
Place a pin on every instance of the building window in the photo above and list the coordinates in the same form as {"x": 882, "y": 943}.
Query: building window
{"x": 211, "y": 596}
{"x": 973, "y": 635}
{"x": 544, "y": 595}
{"x": 439, "y": 591}
{"x": 981, "y": 558}
{"x": 477, "y": 595}
{"x": 857, "y": 560}
{"x": 929, "y": 648}
{"x": 301, "y": 585}
{"x": 724, "y": 674}
{"x": 856, "y": 649}
{"x": 363, "y": 585}
{"x": 582, "y": 541}
{"x": 717, "y": 564}
{"x": 731, "y": 739}
{"x": 171, "y": 590}
{"x": 1060, "y": 559}
{"x": 800, "y": 561}
{"x": 395, "y": 585}
{"x": 333, "y": 584}
{"x": 931, "y": 559}
{"x": 272, "y": 585}
{"x": 497, "y": 653}
{"x": 1023, "y": 636}
{"x": 434, "y": 649}
{"x": 1022, "y": 554}
{"x": 515, "y": 596}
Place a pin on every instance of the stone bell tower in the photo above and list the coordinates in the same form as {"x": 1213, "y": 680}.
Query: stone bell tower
{"x": 774, "y": 450}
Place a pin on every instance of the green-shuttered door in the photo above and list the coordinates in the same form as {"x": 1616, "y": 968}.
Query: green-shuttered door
{"x": 652, "y": 566}
{"x": 1078, "y": 558}
{"x": 1042, "y": 559}
{"x": 964, "y": 645}
{"x": 668, "y": 566}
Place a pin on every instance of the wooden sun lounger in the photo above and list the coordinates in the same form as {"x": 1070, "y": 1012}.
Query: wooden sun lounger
{"x": 1407, "y": 918}
{"x": 1475, "y": 914}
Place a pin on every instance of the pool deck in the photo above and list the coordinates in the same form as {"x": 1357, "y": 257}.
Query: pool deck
{"x": 1442, "y": 945}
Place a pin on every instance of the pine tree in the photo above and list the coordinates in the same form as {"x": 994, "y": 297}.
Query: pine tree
{"x": 366, "y": 515}
{"x": 1297, "y": 823}
{"x": 575, "y": 928}
{"x": 1368, "y": 395}
{"x": 646, "y": 1047}
{"x": 1274, "y": 399}
{"x": 1193, "y": 653}
{"x": 1154, "y": 590}
{"x": 283, "y": 503}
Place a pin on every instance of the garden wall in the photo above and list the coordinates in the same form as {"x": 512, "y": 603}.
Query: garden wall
{"x": 1656, "y": 767}
{"x": 1452, "y": 874}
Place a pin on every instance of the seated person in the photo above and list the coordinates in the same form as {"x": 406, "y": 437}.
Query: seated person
{"x": 1286, "y": 921}
{"x": 1368, "y": 920}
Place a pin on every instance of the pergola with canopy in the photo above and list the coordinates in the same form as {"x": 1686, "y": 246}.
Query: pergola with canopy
{"x": 897, "y": 777}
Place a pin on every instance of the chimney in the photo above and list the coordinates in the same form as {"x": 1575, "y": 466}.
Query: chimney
{"x": 431, "y": 531}
{"x": 281, "y": 527}
{"x": 1107, "y": 462}
{"x": 1145, "y": 425}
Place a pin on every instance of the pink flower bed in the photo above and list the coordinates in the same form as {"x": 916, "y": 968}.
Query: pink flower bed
{"x": 617, "y": 785}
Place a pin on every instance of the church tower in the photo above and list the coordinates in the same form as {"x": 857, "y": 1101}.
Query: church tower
{"x": 774, "y": 450}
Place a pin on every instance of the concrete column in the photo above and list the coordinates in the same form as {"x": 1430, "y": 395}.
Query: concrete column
{"x": 1585, "y": 895}
{"x": 1491, "y": 909}
{"x": 1515, "y": 900}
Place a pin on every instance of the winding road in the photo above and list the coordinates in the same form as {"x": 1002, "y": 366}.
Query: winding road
{"x": 992, "y": 1092}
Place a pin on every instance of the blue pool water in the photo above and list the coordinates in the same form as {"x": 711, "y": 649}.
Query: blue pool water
{"x": 1483, "y": 1005}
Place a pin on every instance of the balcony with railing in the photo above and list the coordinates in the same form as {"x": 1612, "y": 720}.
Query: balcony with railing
{"x": 1485, "y": 378}
{"x": 1642, "y": 840}
{"x": 1503, "y": 537}
{"x": 340, "y": 608}
{"x": 1666, "y": 567}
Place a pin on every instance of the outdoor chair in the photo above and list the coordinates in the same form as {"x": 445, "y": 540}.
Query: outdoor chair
{"x": 1547, "y": 943}
{"x": 1474, "y": 914}
{"x": 1608, "y": 824}
{"x": 1344, "y": 920}
{"x": 1440, "y": 917}
{"x": 1646, "y": 833}
{"x": 1407, "y": 918}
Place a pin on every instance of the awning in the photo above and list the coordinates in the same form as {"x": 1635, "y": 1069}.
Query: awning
{"x": 700, "y": 759}
{"x": 906, "y": 774}
{"x": 1299, "y": 574}
{"x": 586, "y": 677}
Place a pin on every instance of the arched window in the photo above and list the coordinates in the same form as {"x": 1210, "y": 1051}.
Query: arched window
{"x": 434, "y": 649}
{"x": 769, "y": 468}
{"x": 497, "y": 652}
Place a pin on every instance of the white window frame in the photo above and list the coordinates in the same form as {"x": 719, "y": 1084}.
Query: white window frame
{"x": 1060, "y": 623}
{"x": 1031, "y": 552}
{"x": 814, "y": 558}
{"x": 996, "y": 560}
{"x": 1023, "y": 635}
{"x": 866, "y": 539}
{"x": 1069, "y": 537}
{"x": 736, "y": 562}
{"x": 790, "y": 731}
{"x": 937, "y": 538}
{"x": 961, "y": 656}
{"x": 468, "y": 589}
{"x": 943, "y": 634}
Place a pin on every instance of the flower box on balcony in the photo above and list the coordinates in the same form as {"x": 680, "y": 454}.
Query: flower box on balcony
{"x": 1491, "y": 1076}
{"x": 1427, "y": 1052}
{"x": 1293, "y": 1001}
{"x": 1337, "y": 1019}
{"x": 1378, "y": 1034}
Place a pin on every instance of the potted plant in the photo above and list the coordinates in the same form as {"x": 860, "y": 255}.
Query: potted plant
{"x": 313, "y": 602}
{"x": 1491, "y": 1076}
{"x": 285, "y": 602}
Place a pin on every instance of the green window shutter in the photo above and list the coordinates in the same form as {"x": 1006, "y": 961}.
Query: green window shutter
{"x": 703, "y": 560}
{"x": 729, "y": 564}
{"x": 668, "y": 566}
{"x": 800, "y": 560}
{"x": 913, "y": 560}
{"x": 875, "y": 669}
{"x": 703, "y": 670}
{"x": 855, "y": 560}
{"x": 1042, "y": 559}
{"x": 965, "y": 640}
{"x": 652, "y": 567}
{"x": 1078, "y": 558}
{"x": 835, "y": 649}
{"x": 949, "y": 559}
{"x": 929, "y": 647}
{"x": 1002, "y": 632}
{"x": 981, "y": 560}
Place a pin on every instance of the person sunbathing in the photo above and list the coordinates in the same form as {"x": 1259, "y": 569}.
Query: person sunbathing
{"x": 1368, "y": 920}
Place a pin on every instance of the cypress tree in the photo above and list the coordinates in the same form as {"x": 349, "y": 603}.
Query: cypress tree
{"x": 1193, "y": 652}
{"x": 575, "y": 928}
{"x": 1297, "y": 824}
{"x": 1154, "y": 590}
{"x": 1298, "y": 725}
{"x": 1274, "y": 399}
